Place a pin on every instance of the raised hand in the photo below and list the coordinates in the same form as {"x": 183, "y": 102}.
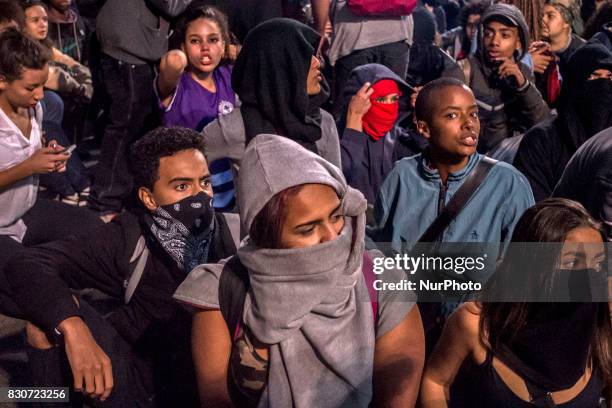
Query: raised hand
{"x": 541, "y": 56}
{"x": 359, "y": 106}
{"x": 509, "y": 68}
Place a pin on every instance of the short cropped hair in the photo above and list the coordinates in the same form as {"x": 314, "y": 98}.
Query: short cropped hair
{"x": 426, "y": 99}
{"x": 161, "y": 142}
{"x": 18, "y": 52}
{"x": 11, "y": 11}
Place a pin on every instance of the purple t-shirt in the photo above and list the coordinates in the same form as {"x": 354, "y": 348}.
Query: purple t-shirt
{"x": 193, "y": 106}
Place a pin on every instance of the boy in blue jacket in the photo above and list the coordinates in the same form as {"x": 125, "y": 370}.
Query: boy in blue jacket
{"x": 419, "y": 187}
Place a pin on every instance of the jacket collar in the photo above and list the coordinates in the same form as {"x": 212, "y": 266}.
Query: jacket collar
{"x": 430, "y": 174}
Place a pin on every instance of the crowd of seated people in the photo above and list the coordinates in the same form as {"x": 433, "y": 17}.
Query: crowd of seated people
{"x": 258, "y": 161}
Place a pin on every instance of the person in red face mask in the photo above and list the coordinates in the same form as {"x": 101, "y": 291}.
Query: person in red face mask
{"x": 375, "y": 101}
{"x": 384, "y": 108}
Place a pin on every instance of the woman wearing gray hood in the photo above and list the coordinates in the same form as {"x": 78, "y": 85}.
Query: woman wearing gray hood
{"x": 293, "y": 319}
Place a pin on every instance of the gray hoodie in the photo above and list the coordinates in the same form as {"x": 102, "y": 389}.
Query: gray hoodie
{"x": 225, "y": 137}
{"x": 311, "y": 305}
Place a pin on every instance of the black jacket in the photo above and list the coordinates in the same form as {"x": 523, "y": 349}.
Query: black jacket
{"x": 42, "y": 278}
{"x": 588, "y": 178}
{"x": 542, "y": 156}
{"x": 366, "y": 163}
{"x": 542, "y": 79}
{"x": 585, "y": 108}
{"x": 604, "y": 37}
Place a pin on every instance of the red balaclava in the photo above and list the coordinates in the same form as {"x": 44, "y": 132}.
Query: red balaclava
{"x": 381, "y": 117}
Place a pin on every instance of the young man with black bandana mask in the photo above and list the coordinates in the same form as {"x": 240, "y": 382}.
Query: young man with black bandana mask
{"x": 585, "y": 108}
{"x": 138, "y": 354}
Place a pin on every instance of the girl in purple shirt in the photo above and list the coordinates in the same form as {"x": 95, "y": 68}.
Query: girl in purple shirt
{"x": 194, "y": 84}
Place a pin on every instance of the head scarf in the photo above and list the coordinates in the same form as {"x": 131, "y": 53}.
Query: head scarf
{"x": 307, "y": 303}
{"x": 374, "y": 73}
{"x": 585, "y": 106}
{"x": 381, "y": 117}
{"x": 270, "y": 79}
{"x": 551, "y": 350}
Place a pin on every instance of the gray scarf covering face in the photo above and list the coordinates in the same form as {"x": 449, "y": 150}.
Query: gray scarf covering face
{"x": 310, "y": 304}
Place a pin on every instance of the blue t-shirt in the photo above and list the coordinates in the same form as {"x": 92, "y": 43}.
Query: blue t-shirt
{"x": 193, "y": 106}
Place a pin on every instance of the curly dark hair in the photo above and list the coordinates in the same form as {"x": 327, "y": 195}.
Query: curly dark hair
{"x": 18, "y": 52}
{"x": 469, "y": 9}
{"x": 161, "y": 142}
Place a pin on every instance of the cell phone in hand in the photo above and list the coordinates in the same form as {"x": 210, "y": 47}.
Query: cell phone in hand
{"x": 68, "y": 150}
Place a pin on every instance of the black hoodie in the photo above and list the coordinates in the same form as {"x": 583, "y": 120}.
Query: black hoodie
{"x": 588, "y": 178}
{"x": 585, "y": 108}
{"x": 270, "y": 78}
{"x": 604, "y": 36}
{"x": 366, "y": 162}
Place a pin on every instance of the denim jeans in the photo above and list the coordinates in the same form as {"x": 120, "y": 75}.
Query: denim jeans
{"x": 394, "y": 56}
{"x": 132, "y": 112}
{"x": 76, "y": 177}
{"x": 53, "y": 108}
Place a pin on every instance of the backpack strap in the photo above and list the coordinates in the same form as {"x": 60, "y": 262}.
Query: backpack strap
{"x": 466, "y": 67}
{"x": 228, "y": 227}
{"x": 233, "y": 286}
{"x": 229, "y": 223}
{"x": 459, "y": 200}
{"x": 140, "y": 257}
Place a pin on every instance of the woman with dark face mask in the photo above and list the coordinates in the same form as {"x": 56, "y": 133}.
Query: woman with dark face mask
{"x": 585, "y": 108}
{"x": 531, "y": 343}
{"x": 278, "y": 80}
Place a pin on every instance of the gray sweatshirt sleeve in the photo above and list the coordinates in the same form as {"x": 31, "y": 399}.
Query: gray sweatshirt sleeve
{"x": 200, "y": 289}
